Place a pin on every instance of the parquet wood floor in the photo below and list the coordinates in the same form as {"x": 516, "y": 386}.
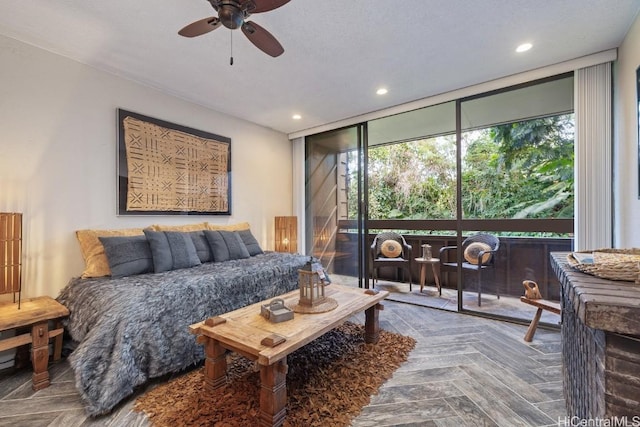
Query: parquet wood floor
{"x": 464, "y": 371}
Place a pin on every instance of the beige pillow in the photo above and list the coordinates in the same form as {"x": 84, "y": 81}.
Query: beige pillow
{"x": 229, "y": 227}
{"x": 96, "y": 264}
{"x": 472, "y": 252}
{"x": 186, "y": 227}
{"x": 391, "y": 249}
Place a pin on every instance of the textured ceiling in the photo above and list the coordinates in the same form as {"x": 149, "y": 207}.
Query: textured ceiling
{"x": 337, "y": 52}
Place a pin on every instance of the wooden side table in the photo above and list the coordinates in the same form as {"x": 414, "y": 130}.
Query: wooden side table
{"x": 36, "y": 314}
{"x": 435, "y": 264}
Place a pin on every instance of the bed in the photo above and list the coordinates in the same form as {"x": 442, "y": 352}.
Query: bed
{"x": 134, "y": 328}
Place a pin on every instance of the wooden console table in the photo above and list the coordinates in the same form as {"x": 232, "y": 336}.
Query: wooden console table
{"x": 600, "y": 343}
{"x": 35, "y": 313}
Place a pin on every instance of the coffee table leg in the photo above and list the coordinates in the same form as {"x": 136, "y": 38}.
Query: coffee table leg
{"x": 371, "y": 324}
{"x": 215, "y": 365}
{"x": 273, "y": 394}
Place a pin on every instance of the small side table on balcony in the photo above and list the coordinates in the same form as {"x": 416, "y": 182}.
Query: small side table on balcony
{"x": 435, "y": 266}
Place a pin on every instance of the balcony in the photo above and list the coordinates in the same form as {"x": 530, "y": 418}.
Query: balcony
{"x": 518, "y": 258}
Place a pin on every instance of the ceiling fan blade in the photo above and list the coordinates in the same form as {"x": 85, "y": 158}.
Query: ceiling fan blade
{"x": 267, "y": 5}
{"x": 200, "y": 27}
{"x": 262, "y": 39}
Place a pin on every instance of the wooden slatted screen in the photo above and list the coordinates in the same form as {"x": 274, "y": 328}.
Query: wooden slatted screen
{"x": 10, "y": 252}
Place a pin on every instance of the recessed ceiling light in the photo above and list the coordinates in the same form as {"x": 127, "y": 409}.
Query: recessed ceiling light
{"x": 382, "y": 91}
{"x": 296, "y": 117}
{"x": 524, "y": 47}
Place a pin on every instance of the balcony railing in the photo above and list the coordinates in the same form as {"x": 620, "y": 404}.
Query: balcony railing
{"x": 518, "y": 258}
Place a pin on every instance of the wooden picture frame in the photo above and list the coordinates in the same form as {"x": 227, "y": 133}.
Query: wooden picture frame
{"x": 168, "y": 169}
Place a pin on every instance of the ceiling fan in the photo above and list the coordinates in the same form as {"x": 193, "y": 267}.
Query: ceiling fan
{"x": 233, "y": 14}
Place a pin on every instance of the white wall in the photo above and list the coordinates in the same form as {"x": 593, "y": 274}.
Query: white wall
{"x": 625, "y": 164}
{"x": 58, "y": 150}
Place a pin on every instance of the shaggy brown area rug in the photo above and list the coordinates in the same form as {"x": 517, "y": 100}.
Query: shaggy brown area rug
{"x": 328, "y": 383}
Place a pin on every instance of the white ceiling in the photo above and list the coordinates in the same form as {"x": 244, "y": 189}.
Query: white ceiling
{"x": 337, "y": 52}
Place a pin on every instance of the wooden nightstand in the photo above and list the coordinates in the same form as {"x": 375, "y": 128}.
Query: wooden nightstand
{"x": 36, "y": 314}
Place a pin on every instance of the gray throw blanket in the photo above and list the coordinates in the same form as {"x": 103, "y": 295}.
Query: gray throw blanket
{"x": 134, "y": 328}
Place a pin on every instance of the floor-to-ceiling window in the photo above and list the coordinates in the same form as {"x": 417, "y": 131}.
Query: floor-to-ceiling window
{"x": 516, "y": 168}
{"x": 500, "y": 163}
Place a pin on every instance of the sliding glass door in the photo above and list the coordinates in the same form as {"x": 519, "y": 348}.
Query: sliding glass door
{"x": 516, "y": 182}
{"x": 336, "y": 202}
{"x": 499, "y": 163}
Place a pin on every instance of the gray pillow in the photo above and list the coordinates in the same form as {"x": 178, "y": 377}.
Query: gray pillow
{"x": 226, "y": 245}
{"x": 250, "y": 242}
{"x": 127, "y": 255}
{"x": 171, "y": 250}
{"x": 202, "y": 246}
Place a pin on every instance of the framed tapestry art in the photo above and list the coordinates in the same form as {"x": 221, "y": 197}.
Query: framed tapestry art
{"x": 168, "y": 169}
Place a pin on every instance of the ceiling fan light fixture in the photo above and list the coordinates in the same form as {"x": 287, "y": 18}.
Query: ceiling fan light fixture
{"x": 231, "y": 16}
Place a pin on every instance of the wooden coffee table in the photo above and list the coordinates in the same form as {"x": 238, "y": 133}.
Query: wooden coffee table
{"x": 247, "y": 333}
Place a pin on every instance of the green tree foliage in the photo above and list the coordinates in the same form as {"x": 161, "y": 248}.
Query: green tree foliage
{"x": 516, "y": 170}
{"x": 534, "y": 161}
{"x": 412, "y": 180}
